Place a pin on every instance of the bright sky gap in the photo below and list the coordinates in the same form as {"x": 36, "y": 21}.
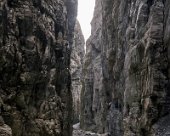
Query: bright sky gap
{"x": 85, "y": 14}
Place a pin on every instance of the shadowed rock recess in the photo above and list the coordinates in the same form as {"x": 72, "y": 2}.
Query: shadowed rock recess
{"x": 35, "y": 44}
{"x": 126, "y": 88}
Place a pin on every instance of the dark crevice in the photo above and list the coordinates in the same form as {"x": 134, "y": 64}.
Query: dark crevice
{"x": 36, "y": 3}
{"x": 40, "y": 34}
{"x": 149, "y": 3}
{"x": 58, "y": 28}
{"x": 12, "y": 3}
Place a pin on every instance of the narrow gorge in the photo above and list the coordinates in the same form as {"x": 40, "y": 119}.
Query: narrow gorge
{"x": 51, "y": 85}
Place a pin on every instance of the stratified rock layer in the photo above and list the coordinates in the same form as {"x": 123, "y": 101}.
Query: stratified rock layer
{"x": 35, "y": 81}
{"x": 126, "y": 72}
{"x": 77, "y": 56}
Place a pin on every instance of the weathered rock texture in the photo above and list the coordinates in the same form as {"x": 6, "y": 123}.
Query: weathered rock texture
{"x": 126, "y": 71}
{"x": 92, "y": 90}
{"x": 77, "y": 56}
{"x": 5, "y": 130}
{"x": 35, "y": 81}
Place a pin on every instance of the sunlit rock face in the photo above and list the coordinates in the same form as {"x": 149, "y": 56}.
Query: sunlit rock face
{"x": 77, "y": 56}
{"x": 35, "y": 81}
{"x": 126, "y": 69}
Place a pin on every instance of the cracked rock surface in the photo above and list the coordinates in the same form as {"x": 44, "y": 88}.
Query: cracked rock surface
{"x": 77, "y": 56}
{"x": 126, "y": 71}
{"x": 35, "y": 45}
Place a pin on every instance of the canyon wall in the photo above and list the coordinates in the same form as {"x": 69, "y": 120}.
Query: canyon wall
{"x": 126, "y": 70}
{"x": 92, "y": 92}
{"x": 77, "y": 56}
{"x": 35, "y": 81}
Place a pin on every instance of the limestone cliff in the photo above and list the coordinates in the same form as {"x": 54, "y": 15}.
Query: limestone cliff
{"x": 35, "y": 81}
{"x": 126, "y": 69}
{"x": 77, "y": 56}
{"x": 91, "y": 95}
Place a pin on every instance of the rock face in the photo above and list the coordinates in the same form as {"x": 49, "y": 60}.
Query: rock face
{"x": 5, "y": 130}
{"x": 91, "y": 95}
{"x": 126, "y": 69}
{"x": 35, "y": 81}
{"x": 77, "y": 56}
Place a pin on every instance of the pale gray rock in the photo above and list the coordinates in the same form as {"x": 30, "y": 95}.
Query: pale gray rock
{"x": 5, "y": 130}
{"x": 126, "y": 69}
{"x": 76, "y": 126}
{"x": 79, "y": 132}
{"x": 92, "y": 93}
{"x": 77, "y": 56}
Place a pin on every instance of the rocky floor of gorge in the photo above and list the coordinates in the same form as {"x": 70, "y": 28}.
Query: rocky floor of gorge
{"x": 78, "y": 132}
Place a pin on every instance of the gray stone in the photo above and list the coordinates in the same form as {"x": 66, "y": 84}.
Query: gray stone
{"x": 77, "y": 56}
{"x": 5, "y": 130}
{"x": 35, "y": 94}
{"x": 126, "y": 69}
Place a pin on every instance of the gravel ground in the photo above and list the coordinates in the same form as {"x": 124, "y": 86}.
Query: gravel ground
{"x": 78, "y": 132}
{"x": 83, "y": 133}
